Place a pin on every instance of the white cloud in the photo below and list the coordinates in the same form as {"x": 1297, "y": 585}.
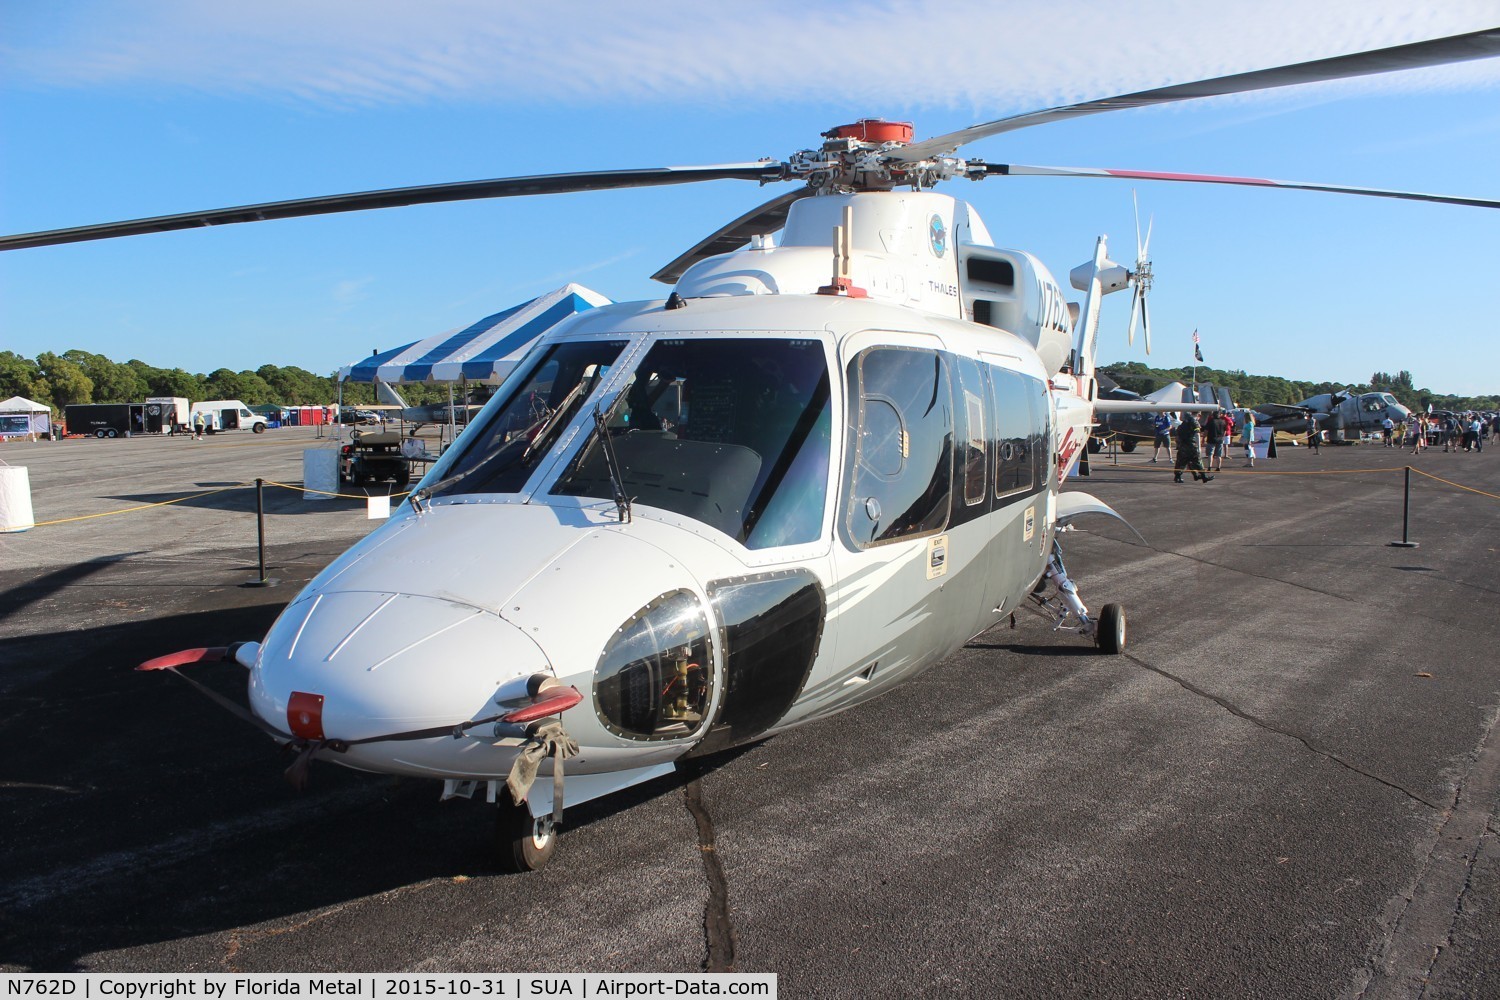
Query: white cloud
{"x": 991, "y": 58}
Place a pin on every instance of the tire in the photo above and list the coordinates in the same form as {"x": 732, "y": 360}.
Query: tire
{"x": 1095, "y": 446}
{"x": 111, "y": 433}
{"x": 1110, "y": 629}
{"x": 523, "y": 844}
{"x": 258, "y": 428}
{"x": 403, "y": 479}
{"x": 1127, "y": 445}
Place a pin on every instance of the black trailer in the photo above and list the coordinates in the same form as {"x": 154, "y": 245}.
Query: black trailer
{"x": 106, "y": 420}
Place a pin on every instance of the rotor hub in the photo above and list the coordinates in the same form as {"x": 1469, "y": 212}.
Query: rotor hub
{"x": 867, "y": 156}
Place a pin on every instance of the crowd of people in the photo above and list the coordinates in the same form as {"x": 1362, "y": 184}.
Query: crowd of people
{"x": 1200, "y": 446}
{"x": 1454, "y": 431}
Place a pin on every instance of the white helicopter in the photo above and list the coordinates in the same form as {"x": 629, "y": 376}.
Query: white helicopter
{"x": 820, "y": 466}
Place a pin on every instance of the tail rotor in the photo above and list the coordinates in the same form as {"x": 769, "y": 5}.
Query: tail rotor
{"x": 1140, "y": 278}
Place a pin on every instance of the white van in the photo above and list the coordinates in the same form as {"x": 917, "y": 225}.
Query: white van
{"x": 226, "y": 415}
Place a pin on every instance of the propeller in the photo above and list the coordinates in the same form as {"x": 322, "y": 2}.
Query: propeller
{"x": 423, "y": 194}
{"x": 1140, "y": 277}
{"x": 848, "y": 162}
{"x": 1415, "y": 55}
{"x": 1023, "y": 170}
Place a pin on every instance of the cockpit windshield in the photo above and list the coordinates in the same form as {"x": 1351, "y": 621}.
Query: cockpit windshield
{"x": 732, "y": 432}
{"x": 502, "y": 451}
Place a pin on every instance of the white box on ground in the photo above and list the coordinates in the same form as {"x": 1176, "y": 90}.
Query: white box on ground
{"x": 15, "y": 499}
{"x": 320, "y": 473}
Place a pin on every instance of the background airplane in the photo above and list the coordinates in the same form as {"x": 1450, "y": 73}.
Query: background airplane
{"x": 1341, "y": 414}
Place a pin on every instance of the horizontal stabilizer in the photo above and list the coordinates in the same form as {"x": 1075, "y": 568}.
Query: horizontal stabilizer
{"x": 1075, "y": 505}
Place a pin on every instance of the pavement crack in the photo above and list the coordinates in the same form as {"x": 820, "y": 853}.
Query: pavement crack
{"x": 1238, "y": 712}
{"x": 1417, "y": 946}
{"x": 1302, "y": 586}
{"x": 717, "y": 930}
{"x": 242, "y": 936}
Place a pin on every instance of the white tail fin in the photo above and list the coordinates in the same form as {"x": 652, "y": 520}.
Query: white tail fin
{"x": 387, "y": 395}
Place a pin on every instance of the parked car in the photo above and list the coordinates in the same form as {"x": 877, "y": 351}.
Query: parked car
{"x": 348, "y": 416}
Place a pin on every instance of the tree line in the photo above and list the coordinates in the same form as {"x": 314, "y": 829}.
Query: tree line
{"x": 81, "y": 377}
{"x": 1252, "y": 390}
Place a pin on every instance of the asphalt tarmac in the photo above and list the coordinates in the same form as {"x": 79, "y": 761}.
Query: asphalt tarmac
{"x": 1287, "y": 787}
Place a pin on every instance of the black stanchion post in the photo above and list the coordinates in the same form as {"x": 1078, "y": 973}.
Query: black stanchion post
{"x": 1405, "y": 543}
{"x": 260, "y": 536}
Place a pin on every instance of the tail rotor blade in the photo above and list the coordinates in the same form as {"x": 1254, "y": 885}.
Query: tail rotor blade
{"x": 1135, "y": 203}
{"x": 1136, "y": 301}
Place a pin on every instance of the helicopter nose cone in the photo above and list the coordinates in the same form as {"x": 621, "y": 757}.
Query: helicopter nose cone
{"x": 376, "y": 663}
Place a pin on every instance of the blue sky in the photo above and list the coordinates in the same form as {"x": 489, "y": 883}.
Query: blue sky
{"x": 127, "y": 109}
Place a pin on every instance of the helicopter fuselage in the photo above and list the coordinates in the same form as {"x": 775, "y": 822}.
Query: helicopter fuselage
{"x": 825, "y": 496}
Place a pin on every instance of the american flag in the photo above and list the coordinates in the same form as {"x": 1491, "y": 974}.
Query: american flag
{"x": 1195, "y": 336}
{"x": 1197, "y": 351}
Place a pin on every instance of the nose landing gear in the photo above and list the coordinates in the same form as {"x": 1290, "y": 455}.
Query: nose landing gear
{"x": 523, "y": 842}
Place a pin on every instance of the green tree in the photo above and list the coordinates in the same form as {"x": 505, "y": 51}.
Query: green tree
{"x": 65, "y": 380}
{"x": 21, "y": 377}
{"x": 113, "y": 383}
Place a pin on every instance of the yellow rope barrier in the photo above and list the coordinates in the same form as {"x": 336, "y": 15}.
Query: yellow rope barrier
{"x": 144, "y": 506}
{"x": 1459, "y": 486}
{"x": 325, "y": 493}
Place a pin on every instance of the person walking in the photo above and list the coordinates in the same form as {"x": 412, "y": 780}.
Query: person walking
{"x": 1188, "y": 456}
{"x": 1163, "y": 427}
{"x": 1388, "y": 431}
{"x": 1419, "y": 433}
{"x": 198, "y": 423}
{"x": 1216, "y": 436}
{"x": 1314, "y": 436}
{"x": 1247, "y": 436}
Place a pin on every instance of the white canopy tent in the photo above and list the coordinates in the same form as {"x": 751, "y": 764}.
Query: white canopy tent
{"x": 22, "y": 417}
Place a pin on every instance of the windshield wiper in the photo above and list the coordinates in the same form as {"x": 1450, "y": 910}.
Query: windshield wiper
{"x": 612, "y": 463}
{"x": 538, "y": 440}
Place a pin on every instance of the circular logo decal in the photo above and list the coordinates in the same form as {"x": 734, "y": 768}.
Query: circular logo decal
{"x": 937, "y": 235}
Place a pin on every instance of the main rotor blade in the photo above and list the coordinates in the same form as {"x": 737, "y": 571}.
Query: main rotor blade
{"x": 1021, "y": 170}
{"x": 757, "y": 222}
{"x": 1415, "y": 55}
{"x": 424, "y": 194}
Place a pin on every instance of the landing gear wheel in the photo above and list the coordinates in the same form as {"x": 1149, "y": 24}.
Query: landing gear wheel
{"x": 1095, "y": 446}
{"x": 524, "y": 842}
{"x": 1110, "y": 629}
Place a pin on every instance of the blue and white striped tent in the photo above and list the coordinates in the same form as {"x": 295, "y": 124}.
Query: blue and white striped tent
{"x": 485, "y": 351}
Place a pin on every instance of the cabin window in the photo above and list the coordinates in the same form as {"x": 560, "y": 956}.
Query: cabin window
{"x": 731, "y": 432}
{"x": 901, "y": 445}
{"x": 976, "y": 444}
{"x": 503, "y": 449}
{"x": 1021, "y": 444}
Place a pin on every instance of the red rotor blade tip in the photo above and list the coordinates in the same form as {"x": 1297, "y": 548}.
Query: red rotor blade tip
{"x": 203, "y": 654}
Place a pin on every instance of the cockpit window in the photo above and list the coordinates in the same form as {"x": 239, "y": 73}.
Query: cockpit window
{"x": 731, "y": 432}
{"x": 501, "y": 452}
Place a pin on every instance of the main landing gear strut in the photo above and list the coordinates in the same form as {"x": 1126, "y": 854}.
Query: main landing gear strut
{"x": 1068, "y": 613}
